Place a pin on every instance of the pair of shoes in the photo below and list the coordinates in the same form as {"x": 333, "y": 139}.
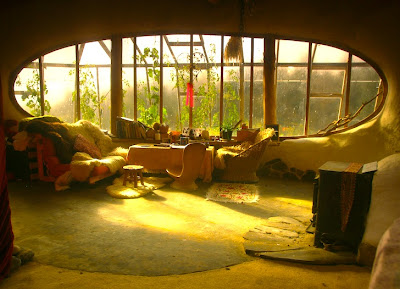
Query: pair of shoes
{"x": 24, "y": 255}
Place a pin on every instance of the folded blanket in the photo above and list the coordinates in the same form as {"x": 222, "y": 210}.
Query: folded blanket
{"x": 83, "y": 164}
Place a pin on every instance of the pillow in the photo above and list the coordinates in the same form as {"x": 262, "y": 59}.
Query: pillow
{"x": 83, "y": 145}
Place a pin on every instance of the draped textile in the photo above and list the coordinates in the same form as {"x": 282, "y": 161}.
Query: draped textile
{"x": 6, "y": 233}
{"x": 348, "y": 187}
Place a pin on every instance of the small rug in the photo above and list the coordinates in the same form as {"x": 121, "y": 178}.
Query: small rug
{"x": 233, "y": 193}
{"x": 119, "y": 191}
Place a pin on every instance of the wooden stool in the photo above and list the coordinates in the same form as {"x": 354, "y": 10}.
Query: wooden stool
{"x": 131, "y": 173}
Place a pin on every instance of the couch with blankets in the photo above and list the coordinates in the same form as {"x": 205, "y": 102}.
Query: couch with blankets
{"x": 68, "y": 152}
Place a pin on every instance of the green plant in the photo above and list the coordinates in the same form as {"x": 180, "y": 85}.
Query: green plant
{"x": 32, "y": 94}
{"x": 124, "y": 92}
{"x": 148, "y": 104}
{"x": 206, "y": 92}
{"x": 231, "y": 98}
{"x": 90, "y": 101}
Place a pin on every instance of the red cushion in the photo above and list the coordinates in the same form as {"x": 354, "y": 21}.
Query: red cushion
{"x": 54, "y": 167}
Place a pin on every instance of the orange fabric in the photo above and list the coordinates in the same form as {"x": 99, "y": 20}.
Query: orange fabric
{"x": 100, "y": 170}
{"x": 54, "y": 166}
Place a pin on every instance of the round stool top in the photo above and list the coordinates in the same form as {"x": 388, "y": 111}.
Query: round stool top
{"x": 133, "y": 167}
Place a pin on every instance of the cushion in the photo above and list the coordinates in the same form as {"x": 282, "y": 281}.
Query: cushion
{"x": 247, "y": 134}
{"x": 83, "y": 145}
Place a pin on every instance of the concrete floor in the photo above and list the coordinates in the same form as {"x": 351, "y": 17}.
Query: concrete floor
{"x": 169, "y": 239}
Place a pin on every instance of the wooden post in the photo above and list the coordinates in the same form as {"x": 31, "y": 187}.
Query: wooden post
{"x": 161, "y": 79}
{"x": 269, "y": 81}
{"x": 116, "y": 81}
{"x": 41, "y": 85}
{"x": 241, "y": 82}
{"x": 221, "y": 83}
{"x": 251, "y": 84}
{"x": 309, "y": 70}
{"x": 348, "y": 80}
{"x": 191, "y": 79}
{"x": 77, "y": 115}
{"x": 134, "y": 79}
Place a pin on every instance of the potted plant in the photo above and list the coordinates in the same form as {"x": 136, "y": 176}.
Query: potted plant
{"x": 226, "y": 131}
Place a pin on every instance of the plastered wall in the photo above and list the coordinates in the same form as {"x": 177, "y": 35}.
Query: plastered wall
{"x": 30, "y": 28}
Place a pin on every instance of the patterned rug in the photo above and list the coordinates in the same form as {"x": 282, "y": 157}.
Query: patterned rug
{"x": 119, "y": 191}
{"x": 233, "y": 193}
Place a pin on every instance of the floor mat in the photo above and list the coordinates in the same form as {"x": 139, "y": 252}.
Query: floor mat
{"x": 233, "y": 193}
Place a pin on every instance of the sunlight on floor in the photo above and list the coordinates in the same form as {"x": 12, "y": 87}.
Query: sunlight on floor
{"x": 296, "y": 202}
{"x": 180, "y": 213}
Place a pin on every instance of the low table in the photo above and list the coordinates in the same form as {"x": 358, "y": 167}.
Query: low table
{"x": 155, "y": 158}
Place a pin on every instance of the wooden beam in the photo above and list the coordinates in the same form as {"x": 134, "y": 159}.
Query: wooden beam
{"x": 251, "y": 84}
{"x": 185, "y": 43}
{"x": 191, "y": 80}
{"x": 77, "y": 115}
{"x": 41, "y": 85}
{"x": 221, "y": 85}
{"x": 309, "y": 70}
{"x": 116, "y": 81}
{"x": 161, "y": 90}
{"x": 81, "y": 48}
{"x": 204, "y": 48}
{"x": 348, "y": 81}
{"x": 98, "y": 96}
{"x": 134, "y": 79}
{"x": 269, "y": 81}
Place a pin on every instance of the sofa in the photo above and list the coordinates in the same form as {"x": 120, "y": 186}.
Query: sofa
{"x": 69, "y": 152}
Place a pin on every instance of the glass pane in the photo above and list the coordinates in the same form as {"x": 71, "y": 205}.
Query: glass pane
{"x": 293, "y": 52}
{"x": 231, "y": 96}
{"x": 245, "y": 120}
{"x": 94, "y": 83}
{"x": 364, "y": 86}
{"x": 199, "y": 55}
{"x": 246, "y": 49}
{"x": 212, "y": 44}
{"x": 149, "y": 80}
{"x": 127, "y": 77}
{"x": 180, "y": 53}
{"x": 328, "y": 54}
{"x": 323, "y": 111}
{"x": 98, "y": 52}
{"x": 179, "y": 38}
{"x": 59, "y": 78}
{"x": 171, "y": 100}
{"x": 206, "y": 109}
{"x": 327, "y": 81}
{"x": 258, "y": 98}
{"x": 258, "y": 50}
{"x": 27, "y": 89}
{"x": 291, "y": 100}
